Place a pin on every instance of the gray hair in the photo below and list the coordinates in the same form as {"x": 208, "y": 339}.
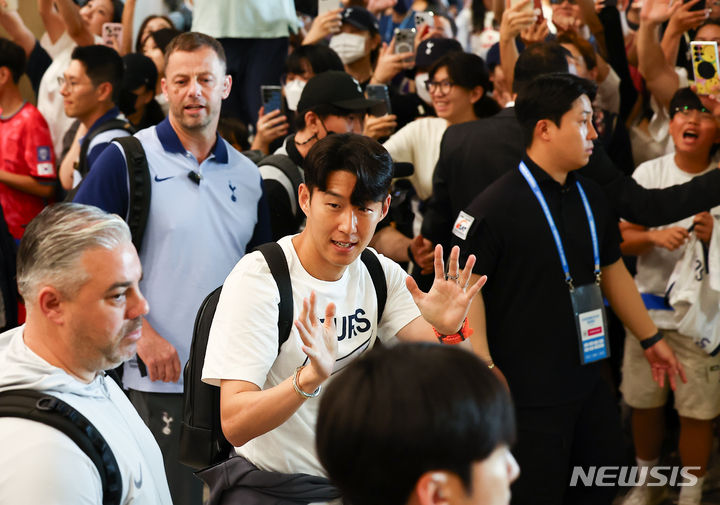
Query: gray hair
{"x": 56, "y": 239}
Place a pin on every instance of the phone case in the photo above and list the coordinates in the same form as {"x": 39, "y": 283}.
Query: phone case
{"x": 272, "y": 98}
{"x": 705, "y": 67}
{"x": 405, "y": 40}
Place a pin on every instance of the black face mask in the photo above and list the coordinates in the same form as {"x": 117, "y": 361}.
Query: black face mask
{"x": 126, "y": 102}
{"x": 327, "y": 132}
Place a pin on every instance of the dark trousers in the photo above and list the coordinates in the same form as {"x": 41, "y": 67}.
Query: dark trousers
{"x": 162, "y": 413}
{"x": 551, "y": 440}
{"x": 251, "y": 63}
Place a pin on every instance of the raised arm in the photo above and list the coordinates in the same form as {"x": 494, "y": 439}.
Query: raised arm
{"x": 54, "y": 24}
{"x": 16, "y": 29}
{"x": 660, "y": 76}
{"x": 127, "y": 22}
{"x": 247, "y": 412}
{"x": 514, "y": 20}
{"x": 682, "y": 20}
{"x": 70, "y": 14}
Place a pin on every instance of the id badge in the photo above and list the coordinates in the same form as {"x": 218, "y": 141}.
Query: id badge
{"x": 590, "y": 322}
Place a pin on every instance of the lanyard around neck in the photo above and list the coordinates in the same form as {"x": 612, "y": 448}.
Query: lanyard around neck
{"x": 553, "y": 228}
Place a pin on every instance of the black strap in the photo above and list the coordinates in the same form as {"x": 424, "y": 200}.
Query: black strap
{"x": 276, "y": 260}
{"x": 49, "y": 410}
{"x": 377, "y": 274}
{"x": 140, "y": 187}
{"x": 112, "y": 124}
{"x": 290, "y": 170}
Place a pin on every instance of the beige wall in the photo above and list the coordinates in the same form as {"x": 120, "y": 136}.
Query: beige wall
{"x": 29, "y": 12}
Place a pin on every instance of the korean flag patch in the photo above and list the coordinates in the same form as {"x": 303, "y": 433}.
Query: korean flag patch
{"x": 462, "y": 225}
{"x": 43, "y": 153}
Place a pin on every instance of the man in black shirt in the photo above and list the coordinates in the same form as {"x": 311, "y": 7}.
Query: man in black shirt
{"x": 474, "y": 154}
{"x": 548, "y": 241}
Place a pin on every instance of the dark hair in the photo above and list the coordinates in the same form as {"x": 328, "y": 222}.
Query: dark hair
{"x": 478, "y": 15}
{"x": 538, "y": 59}
{"x": 549, "y": 96}
{"x": 468, "y": 71}
{"x": 118, "y": 7}
{"x": 584, "y": 47}
{"x": 192, "y": 41}
{"x": 322, "y": 111}
{"x": 102, "y": 64}
{"x": 12, "y": 56}
{"x": 399, "y": 412}
{"x": 139, "y": 42}
{"x": 362, "y": 156}
{"x": 320, "y": 58}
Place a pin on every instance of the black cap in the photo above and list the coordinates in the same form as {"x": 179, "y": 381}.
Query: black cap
{"x": 361, "y": 18}
{"x": 431, "y": 50}
{"x": 334, "y": 88}
{"x": 685, "y": 99}
{"x": 139, "y": 70}
{"x": 163, "y": 37}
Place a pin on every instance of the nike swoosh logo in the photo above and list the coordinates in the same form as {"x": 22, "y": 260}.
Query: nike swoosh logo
{"x": 138, "y": 482}
{"x": 158, "y": 179}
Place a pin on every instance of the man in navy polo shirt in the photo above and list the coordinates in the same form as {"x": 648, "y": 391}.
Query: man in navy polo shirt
{"x": 89, "y": 88}
{"x": 207, "y": 208}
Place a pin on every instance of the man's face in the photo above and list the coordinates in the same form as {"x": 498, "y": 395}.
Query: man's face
{"x": 95, "y": 13}
{"x": 195, "y": 85}
{"x": 337, "y": 231}
{"x": 572, "y": 139}
{"x": 80, "y": 96}
{"x": 578, "y": 62}
{"x": 105, "y": 316}
{"x": 693, "y": 132}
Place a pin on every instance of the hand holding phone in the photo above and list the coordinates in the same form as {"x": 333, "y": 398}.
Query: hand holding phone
{"x": 325, "y": 6}
{"x": 271, "y": 98}
{"x": 705, "y": 67}
{"x": 379, "y": 92}
{"x": 404, "y": 40}
{"x": 112, "y": 33}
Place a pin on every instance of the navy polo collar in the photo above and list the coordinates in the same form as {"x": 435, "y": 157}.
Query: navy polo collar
{"x": 111, "y": 114}
{"x": 171, "y": 143}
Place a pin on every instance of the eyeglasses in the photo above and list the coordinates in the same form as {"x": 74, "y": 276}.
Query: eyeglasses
{"x": 558, "y": 2}
{"x": 71, "y": 85}
{"x": 444, "y": 86}
{"x": 686, "y": 111}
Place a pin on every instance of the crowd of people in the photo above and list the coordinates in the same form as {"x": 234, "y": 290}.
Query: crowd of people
{"x": 492, "y": 231}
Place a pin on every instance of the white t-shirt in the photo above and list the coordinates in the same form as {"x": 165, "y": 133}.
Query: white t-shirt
{"x": 243, "y": 341}
{"x": 655, "y": 266}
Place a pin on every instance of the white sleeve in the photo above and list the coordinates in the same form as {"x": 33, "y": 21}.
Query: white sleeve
{"x": 243, "y": 340}
{"x": 643, "y": 173}
{"x": 400, "y": 144}
{"x": 400, "y": 309}
{"x": 42, "y": 465}
{"x": 608, "y": 92}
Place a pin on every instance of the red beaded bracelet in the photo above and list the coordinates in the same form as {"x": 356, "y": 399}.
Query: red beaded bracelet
{"x": 455, "y": 338}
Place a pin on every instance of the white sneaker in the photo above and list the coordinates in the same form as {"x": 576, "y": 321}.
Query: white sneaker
{"x": 645, "y": 495}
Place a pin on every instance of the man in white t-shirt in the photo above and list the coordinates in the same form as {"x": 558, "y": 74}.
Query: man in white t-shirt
{"x": 268, "y": 400}
{"x": 694, "y": 132}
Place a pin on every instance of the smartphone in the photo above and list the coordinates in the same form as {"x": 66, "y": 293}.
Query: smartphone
{"x": 271, "y": 98}
{"x": 700, "y": 6}
{"x": 427, "y": 18}
{"x": 110, "y": 32}
{"x": 404, "y": 40}
{"x": 534, "y": 6}
{"x": 379, "y": 92}
{"x": 705, "y": 67}
{"x": 12, "y": 5}
{"x": 328, "y": 5}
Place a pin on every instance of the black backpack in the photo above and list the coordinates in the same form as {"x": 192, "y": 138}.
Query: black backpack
{"x": 202, "y": 442}
{"x": 47, "y": 409}
{"x": 112, "y": 124}
{"x": 290, "y": 170}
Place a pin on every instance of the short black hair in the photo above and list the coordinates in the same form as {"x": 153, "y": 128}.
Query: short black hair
{"x": 468, "y": 70}
{"x": 361, "y": 156}
{"x": 102, "y": 64}
{"x": 320, "y": 58}
{"x": 321, "y": 110}
{"x": 549, "y": 96}
{"x": 538, "y": 59}
{"x": 399, "y": 412}
{"x": 12, "y": 56}
{"x": 118, "y": 7}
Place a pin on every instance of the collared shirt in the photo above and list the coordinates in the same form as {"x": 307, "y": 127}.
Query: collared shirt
{"x": 195, "y": 233}
{"x": 250, "y": 19}
{"x": 530, "y": 323}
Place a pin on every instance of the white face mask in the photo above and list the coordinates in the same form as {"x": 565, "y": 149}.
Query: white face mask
{"x": 293, "y": 90}
{"x": 350, "y": 47}
{"x": 420, "y": 89}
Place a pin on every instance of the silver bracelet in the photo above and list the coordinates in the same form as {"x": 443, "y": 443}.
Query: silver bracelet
{"x": 299, "y": 391}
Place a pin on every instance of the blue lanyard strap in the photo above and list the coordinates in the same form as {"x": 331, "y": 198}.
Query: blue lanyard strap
{"x": 553, "y": 228}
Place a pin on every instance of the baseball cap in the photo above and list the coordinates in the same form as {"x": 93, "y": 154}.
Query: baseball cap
{"x": 431, "y": 50}
{"x": 361, "y": 18}
{"x": 336, "y": 88}
{"x": 685, "y": 99}
{"x": 139, "y": 70}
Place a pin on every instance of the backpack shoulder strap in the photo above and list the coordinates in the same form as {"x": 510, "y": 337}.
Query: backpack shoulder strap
{"x": 112, "y": 124}
{"x": 287, "y": 166}
{"x": 140, "y": 187}
{"x": 276, "y": 260}
{"x": 377, "y": 274}
{"x": 49, "y": 410}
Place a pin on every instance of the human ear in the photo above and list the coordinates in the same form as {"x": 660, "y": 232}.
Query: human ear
{"x": 433, "y": 488}
{"x": 50, "y": 302}
{"x": 304, "y": 198}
